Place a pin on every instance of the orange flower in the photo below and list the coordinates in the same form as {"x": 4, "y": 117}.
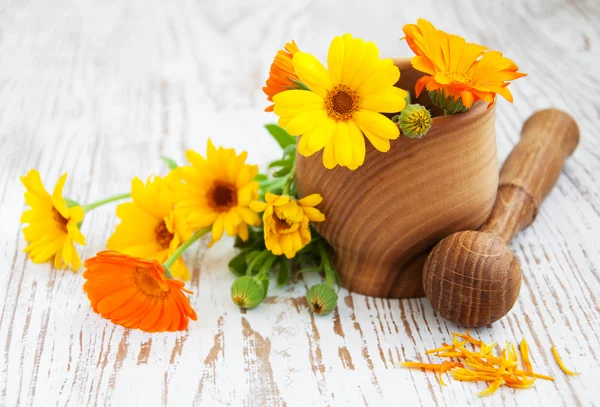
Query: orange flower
{"x": 457, "y": 68}
{"x": 136, "y": 293}
{"x": 281, "y": 75}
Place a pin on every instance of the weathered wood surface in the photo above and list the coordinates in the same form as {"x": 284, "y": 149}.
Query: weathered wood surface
{"x": 101, "y": 89}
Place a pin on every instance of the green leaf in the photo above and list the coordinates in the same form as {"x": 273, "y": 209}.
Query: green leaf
{"x": 284, "y": 271}
{"x": 300, "y": 85}
{"x": 283, "y": 171}
{"x": 280, "y": 135}
{"x": 290, "y": 151}
{"x": 255, "y": 240}
{"x": 169, "y": 161}
{"x": 237, "y": 265}
{"x": 280, "y": 163}
{"x": 261, "y": 177}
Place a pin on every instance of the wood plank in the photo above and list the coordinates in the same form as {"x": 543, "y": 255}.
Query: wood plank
{"x": 102, "y": 89}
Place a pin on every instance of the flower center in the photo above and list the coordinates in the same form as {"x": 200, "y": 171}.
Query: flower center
{"x": 281, "y": 224}
{"x": 163, "y": 236}
{"x": 148, "y": 284}
{"x": 341, "y": 102}
{"x": 459, "y": 78}
{"x": 223, "y": 197}
{"x": 61, "y": 221}
{"x": 418, "y": 121}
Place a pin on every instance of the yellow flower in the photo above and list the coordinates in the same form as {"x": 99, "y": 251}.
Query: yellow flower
{"x": 150, "y": 226}
{"x": 286, "y": 222}
{"x": 216, "y": 191}
{"x": 53, "y": 226}
{"x": 458, "y": 69}
{"x": 343, "y": 103}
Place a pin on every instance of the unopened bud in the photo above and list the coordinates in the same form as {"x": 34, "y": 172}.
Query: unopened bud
{"x": 247, "y": 293}
{"x": 322, "y": 299}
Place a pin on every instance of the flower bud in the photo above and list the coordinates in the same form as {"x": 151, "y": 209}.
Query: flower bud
{"x": 414, "y": 121}
{"x": 447, "y": 103}
{"x": 322, "y": 299}
{"x": 247, "y": 293}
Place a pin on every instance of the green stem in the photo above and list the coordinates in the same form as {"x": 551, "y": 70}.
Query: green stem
{"x": 325, "y": 259}
{"x": 88, "y": 207}
{"x": 266, "y": 267}
{"x": 197, "y": 235}
{"x": 291, "y": 178}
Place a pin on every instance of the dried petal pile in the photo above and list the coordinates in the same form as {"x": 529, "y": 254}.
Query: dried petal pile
{"x": 472, "y": 360}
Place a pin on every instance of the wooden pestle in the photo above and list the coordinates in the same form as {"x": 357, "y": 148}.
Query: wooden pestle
{"x": 472, "y": 278}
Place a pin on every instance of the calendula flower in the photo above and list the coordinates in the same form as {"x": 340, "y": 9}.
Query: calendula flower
{"x": 343, "y": 103}
{"x": 136, "y": 293}
{"x": 150, "y": 227}
{"x": 321, "y": 299}
{"x": 459, "y": 69}
{"x": 414, "y": 121}
{"x": 216, "y": 191}
{"x": 53, "y": 225}
{"x": 281, "y": 74}
{"x": 286, "y": 222}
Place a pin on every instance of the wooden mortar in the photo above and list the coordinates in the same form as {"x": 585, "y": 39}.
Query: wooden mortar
{"x": 384, "y": 217}
{"x": 472, "y": 278}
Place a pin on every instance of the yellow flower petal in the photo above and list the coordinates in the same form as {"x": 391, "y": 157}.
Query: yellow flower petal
{"x": 353, "y": 59}
{"x": 77, "y": 214}
{"x": 380, "y": 143}
{"x": 311, "y": 200}
{"x": 376, "y": 123}
{"x": 312, "y": 73}
{"x": 385, "y": 75}
{"x": 33, "y": 183}
{"x": 258, "y": 206}
{"x": 292, "y": 103}
{"x": 329, "y": 154}
{"x": 391, "y": 100}
{"x": 281, "y": 200}
{"x": 343, "y": 146}
{"x": 335, "y": 60}
{"x": 75, "y": 234}
{"x": 306, "y": 122}
{"x": 314, "y": 215}
{"x": 357, "y": 142}
{"x": 218, "y": 228}
{"x": 316, "y": 139}
{"x": 58, "y": 201}
{"x": 369, "y": 65}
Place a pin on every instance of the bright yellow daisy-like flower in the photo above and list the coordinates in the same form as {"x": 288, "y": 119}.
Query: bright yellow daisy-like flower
{"x": 216, "y": 191}
{"x": 53, "y": 225}
{"x": 343, "y": 103}
{"x": 286, "y": 221}
{"x": 150, "y": 227}
{"x": 458, "y": 68}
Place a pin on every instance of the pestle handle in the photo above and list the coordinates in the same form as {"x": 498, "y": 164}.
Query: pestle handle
{"x": 531, "y": 170}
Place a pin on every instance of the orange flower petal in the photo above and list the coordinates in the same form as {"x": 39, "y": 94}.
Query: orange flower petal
{"x": 135, "y": 293}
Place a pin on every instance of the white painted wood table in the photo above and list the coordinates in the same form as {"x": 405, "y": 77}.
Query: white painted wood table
{"x": 102, "y": 89}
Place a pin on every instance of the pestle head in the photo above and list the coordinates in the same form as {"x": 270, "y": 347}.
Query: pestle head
{"x": 472, "y": 278}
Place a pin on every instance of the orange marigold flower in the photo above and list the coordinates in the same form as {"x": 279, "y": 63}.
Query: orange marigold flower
{"x": 136, "y": 293}
{"x": 457, "y": 68}
{"x": 281, "y": 75}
